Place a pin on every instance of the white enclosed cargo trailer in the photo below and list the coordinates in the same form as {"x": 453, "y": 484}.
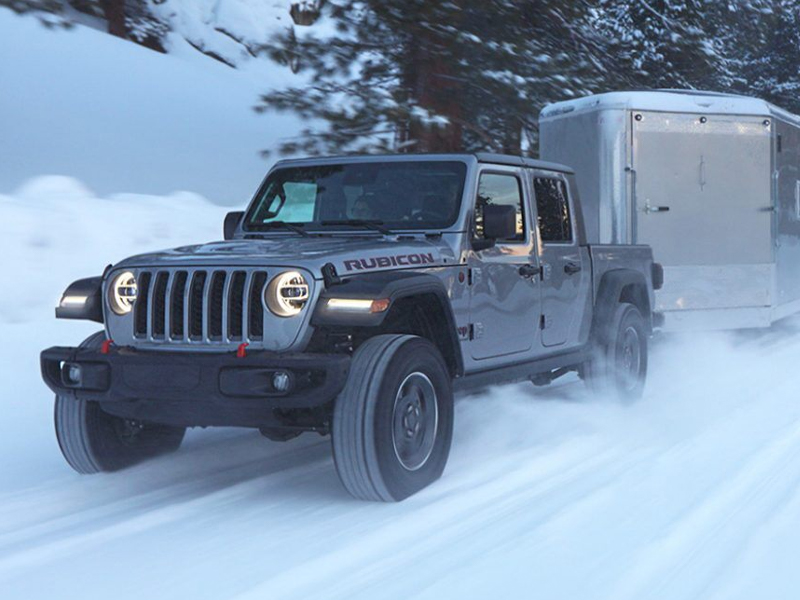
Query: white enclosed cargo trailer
{"x": 710, "y": 181}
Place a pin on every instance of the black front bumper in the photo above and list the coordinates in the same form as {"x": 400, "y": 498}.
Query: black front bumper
{"x": 194, "y": 388}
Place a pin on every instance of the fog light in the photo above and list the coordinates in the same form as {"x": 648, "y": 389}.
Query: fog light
{"x": 281, "y": 381}
{"x": 72, "y": 374}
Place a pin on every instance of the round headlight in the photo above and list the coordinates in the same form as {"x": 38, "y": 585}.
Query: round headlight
{"x": 287, "y": 294}
{"x": 122, "y": 293}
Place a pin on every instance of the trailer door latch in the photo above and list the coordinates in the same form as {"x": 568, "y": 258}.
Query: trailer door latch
{"x": 648, "y": 208}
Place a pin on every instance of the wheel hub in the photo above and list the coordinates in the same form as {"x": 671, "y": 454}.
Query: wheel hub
{"x": 630, "y": 358}
{"x": 415, "y": 421}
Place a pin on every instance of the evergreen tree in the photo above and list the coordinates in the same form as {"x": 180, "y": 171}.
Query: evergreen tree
{"x": 48, "y": 11}
{"x": 771, "y": 69}
{"x": 415, "y": 75}
{"x": 129, "y": 19}
{"x": 662, "y": 43}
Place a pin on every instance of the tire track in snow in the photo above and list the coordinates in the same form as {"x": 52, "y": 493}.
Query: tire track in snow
{"x": 712, "y": 532}
{"x": 488, "y": 502}
{"x": 34, "y": 547}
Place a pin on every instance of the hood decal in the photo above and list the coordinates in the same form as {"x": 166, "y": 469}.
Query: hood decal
{"x": 381, "y": 262}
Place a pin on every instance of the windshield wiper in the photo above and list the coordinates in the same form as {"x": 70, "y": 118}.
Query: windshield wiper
{"x": 293, "y": 227}
{"x": 373, "y": 224}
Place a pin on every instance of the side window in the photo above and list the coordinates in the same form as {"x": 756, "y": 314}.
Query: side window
{"x": 555, "y": 222}
{"x": 494, "y": 188}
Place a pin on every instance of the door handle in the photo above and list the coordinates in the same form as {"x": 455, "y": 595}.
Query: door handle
{"x": 529, "y": 270}
{"x": 648, "y": 208}
{"x": 571, "y": 268}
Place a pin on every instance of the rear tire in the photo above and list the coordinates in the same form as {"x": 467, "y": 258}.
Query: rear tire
{"x": 94, "y": 441}
{"x": 619, "y": 363}
{"x": 393, "y": 422}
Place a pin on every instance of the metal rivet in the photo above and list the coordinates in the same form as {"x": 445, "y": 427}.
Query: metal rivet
{"x": 703, "y": 120}
{"x": 766, "y": 122}
{"x": 638, "y": 117}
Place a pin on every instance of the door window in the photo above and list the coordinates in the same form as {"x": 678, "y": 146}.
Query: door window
{"x": 555, "y": 222}
{"x": 499, "y": 189}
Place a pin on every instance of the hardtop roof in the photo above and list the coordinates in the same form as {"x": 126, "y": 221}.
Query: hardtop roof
{"x": 481, "y": 157}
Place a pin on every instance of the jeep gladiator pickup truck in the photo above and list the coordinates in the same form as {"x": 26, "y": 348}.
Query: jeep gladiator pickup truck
{"x": 352, "y": 298}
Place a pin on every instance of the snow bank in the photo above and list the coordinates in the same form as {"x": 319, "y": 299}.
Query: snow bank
{"x": 54, "y": 230}
{"x": 121, "y": 117}
{"x": 233, "y": 29}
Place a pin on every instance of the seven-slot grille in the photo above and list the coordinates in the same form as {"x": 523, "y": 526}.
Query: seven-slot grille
{"x": 199, "y": 305}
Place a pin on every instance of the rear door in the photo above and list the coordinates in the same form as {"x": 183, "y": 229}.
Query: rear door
{"x": 560, "y": 258}
{"x": 702, "y": 188}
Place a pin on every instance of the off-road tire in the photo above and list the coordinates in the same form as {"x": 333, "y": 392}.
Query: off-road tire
{"x": 94, "y": 441}
{"x": 618, "y": 365}
{"x": 383, "y": 419}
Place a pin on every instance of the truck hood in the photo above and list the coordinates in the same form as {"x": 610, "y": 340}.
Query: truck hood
{"x": 348, "y": 254}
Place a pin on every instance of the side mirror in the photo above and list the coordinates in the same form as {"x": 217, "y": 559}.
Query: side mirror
{"x": 499, "y": 223}
{"x": 232, "y": 220}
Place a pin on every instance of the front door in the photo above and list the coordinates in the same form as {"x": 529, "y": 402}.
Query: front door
{"x": 562, "y": 260}
{"x": 504, "y": 306}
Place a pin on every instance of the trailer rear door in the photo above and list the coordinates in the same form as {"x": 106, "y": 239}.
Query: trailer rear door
{"x": 702, "y": 188}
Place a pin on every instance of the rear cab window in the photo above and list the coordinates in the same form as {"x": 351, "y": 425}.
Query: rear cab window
{"x": 554, "y": 214}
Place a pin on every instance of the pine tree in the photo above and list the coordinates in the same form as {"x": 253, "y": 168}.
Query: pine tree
{"x": 48, "y": 11}
{"x": 414, "y": 75}
{"x": 773, "y": 69}
{"x": 662, "y": 43}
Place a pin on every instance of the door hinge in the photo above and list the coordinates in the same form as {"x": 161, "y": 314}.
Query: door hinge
{"x": 542, "y": 322}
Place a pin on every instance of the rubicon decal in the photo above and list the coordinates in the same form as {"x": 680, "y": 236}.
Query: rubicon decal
{"x": 379, "y": 262}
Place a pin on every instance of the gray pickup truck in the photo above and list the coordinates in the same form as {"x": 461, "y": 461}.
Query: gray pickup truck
{"x": 352, "y": 298}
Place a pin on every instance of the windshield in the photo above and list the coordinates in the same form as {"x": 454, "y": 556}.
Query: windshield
{"x": 397, "y": 195}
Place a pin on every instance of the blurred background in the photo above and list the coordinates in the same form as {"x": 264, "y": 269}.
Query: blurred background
{"x": 154, "y": 96}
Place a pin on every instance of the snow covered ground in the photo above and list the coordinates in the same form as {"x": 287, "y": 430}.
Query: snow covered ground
{"x": 692, "y": 493}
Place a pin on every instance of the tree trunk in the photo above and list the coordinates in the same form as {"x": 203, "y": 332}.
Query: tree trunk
{"x": 114, "y": 12}
{"x": 431, "y": 86}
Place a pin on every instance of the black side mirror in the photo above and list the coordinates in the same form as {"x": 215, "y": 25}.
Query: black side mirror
{"x": 499, "y": 223}
{"x": 232, "y": 220}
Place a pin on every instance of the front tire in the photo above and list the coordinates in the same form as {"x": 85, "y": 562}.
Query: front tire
{"x": 393, "y": 422}
{"x": 94, "y": 441}
{"x": 619, "y": 363}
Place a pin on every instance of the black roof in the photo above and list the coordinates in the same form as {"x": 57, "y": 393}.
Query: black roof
{"x": 482, "y": 157}
{"x": 521, "y": 161}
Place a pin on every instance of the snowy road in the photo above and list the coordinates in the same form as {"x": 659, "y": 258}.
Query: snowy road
{"x": 692, "y": 493}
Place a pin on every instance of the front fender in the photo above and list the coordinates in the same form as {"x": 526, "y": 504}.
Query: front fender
{"x": 83, "y": 300}
{"x": 393, "y": 286}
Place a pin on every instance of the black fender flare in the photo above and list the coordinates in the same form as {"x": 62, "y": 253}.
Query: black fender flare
{"x": 91, "y": 289}
{"x": 619, "y": 285}
{"x": 392, "y": 286}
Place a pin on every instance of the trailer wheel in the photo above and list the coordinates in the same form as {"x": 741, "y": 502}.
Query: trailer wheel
{"x": 93, "y": 441}
{"x": 618, "y": 365}
{"x": 393, "y": 422}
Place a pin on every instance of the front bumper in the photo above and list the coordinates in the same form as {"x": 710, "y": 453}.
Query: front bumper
{"x": 194, "y": 388}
